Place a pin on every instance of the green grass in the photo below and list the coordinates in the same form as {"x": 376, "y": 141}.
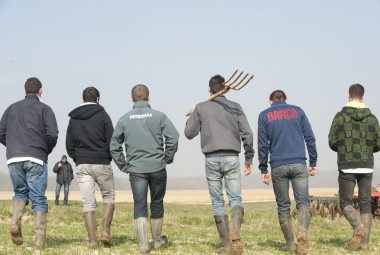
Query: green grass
{"x": 190, "y": 228}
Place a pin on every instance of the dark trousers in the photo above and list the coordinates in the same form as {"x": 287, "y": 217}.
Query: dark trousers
{"x": 347, "y": 183}
{"x": 58, "y": 187}
{"x": 156, "y": 182}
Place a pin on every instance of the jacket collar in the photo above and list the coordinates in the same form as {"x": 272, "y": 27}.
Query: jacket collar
{"x": 141, "y": 104}
{"x": 279, "y": 102}
{"x": 32, "y": 96}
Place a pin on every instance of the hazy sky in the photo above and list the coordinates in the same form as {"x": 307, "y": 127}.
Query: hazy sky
{"x": 313, "y": 50}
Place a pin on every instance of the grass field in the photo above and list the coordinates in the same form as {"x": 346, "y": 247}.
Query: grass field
{"x": 190, "y": 228}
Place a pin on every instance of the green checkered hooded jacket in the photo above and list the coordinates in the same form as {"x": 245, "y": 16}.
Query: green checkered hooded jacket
{"x": 355, "y": 136}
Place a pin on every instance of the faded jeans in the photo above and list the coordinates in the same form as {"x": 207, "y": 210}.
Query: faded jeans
{"x": 227, "y": 168}
{"x": 66, "y": 187}
{"x": 347, "y": 183}
{"x": 298, "y": 175}
{"x": 87, "y": 176}
{"x": 157, "y": 185}
{"x": 29, "y": 181}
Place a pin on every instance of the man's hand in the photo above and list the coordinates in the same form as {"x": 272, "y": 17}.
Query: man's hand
{"x": 191, "y": 109}
{"x": 312, "y": 170}
{"x": 266, "y": 178}
{"x": 60, "y": 164}
{"x": 247, "y": 169}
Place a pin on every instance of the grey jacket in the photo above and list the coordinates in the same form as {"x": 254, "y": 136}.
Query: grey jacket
{"x": 150, "y": 140}
{"x": 223, "y": 126}
{"x": 28, "y": 128}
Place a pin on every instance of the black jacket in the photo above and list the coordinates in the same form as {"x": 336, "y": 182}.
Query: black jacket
{"x": 89, "y": 135}
{"x": 28, "y": 128}
{"x": 60, "y": 174}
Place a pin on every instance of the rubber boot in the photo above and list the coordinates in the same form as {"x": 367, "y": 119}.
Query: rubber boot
{"x": 304, "y": 217}
{"x": 224, "y": 233}
{"x": 90, "y": 222}
{"x": 288, "y": 232}
{"x": 359, "y": 230}
{"x": 108, "y": 210}
{"x": 156, "y": 229}
{"x": 40, "y": 231}
{"x": 17, "y": 212}
{"x": 237, "y": 214}
{"x": 142, "y": 234}
{"x": 366, "y": 219}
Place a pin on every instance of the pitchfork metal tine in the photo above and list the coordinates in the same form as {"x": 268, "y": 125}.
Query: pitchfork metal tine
{"x": 237, "y": 78}
{"x": 235, "y": 87}
{"x": 242, "y": 86}
{"x": 231, "y": 77}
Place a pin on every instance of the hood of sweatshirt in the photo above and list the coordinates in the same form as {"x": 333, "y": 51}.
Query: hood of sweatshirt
{"x": 85, "y": 112}
{"x": 357, "y": 114}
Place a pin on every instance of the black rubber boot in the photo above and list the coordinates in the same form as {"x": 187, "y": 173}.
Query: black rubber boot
{"x": 288, "y": 232}
{"x": 224, "y": 233}
{"x": 304, "y": 218}
{"x": 359, "y": 230}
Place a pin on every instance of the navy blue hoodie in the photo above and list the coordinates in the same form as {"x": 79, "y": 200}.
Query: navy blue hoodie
{"x": 283, "y": 130}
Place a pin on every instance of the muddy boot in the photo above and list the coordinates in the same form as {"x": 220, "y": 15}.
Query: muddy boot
{"x": 224, "y": 233}
{"x": 366, "y": 219}
{"x": 17, "y": 212}
{"x": 287, "y": 229}
{"x": 40, "y": 231}
{"x": 156, "y": 229}
{"x": 108, "y": 209}
{"x": 90, "y": 222}
{"x": 359, "y": 229}
{"x": 237, "y": 214}
{"x": 142, "y": 234}
{"x": 304, "y": 217}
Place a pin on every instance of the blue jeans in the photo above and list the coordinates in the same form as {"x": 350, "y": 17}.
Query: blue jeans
{"x": 157, "y": 185}
{"x": 29, "y": 181}
{"x": 227, "y": 168}
{"x": 347, "y": 183}
{"x": 298, "y": 175}
{"x": 66, "y": 187}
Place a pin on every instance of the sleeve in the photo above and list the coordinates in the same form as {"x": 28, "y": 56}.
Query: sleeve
{"x": 263, "y": 145}
{"x": 116, "y": 147}
{"x": 377, "y": 137}
{"x": 56, "y": 169}
{"x": 171, "y": 139}
{"x": 3, "y": 127}
{"x": 246, "y": 137}
{"x": 310, "y": 140}
{"x": 193, "y": 124}
{"x": 333, "y": 135}
{"x": 108, "y": 129}
{"x": 70, "y": 141}
{"x": 51, "y": 129}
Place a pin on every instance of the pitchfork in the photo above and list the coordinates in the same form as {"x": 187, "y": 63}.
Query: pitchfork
{"x": 233, "y": 85}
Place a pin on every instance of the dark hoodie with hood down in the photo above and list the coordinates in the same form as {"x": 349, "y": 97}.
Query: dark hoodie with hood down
{"x": 89, "y": 134}
{"x": 355, "y": 136}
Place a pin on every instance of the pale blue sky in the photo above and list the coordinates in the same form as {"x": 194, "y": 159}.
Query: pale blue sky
{"x": 313, "y": 50}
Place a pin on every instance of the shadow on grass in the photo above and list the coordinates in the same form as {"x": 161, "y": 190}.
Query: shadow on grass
{"x": 337, "y": 242}
{"x": 276, "y": 245}
{"x": 58, "y": 242}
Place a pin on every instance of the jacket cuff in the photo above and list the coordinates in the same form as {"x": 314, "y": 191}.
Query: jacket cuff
{"x": 264, "y": 171}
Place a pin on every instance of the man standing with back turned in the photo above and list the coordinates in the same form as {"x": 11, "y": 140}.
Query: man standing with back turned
{"x": 29, "y": 130}
{"x": 355, "y": 136}
{"x": 223, "y": 126}
{"x": 87, "y": 143}
{"x": 283, "y": 130}
{"x": 151, "y": 141}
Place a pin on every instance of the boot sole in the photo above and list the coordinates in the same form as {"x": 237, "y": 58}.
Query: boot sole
{"x": 302, "y": 245}
{"x": 237, "y": 247}
{"x": 16, "y": 235}
{"x": 106, "y": 241}
{"x": 356, "y": 239}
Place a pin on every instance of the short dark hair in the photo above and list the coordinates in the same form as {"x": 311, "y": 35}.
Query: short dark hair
{"x": 90, "y": 94}
{"x": 356, "y": 91}
{"x": 32, "y": 85}
{"x": 140, "y": 92}
{"x": 277, "y": 95}
{"x": 216, "y": 83}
